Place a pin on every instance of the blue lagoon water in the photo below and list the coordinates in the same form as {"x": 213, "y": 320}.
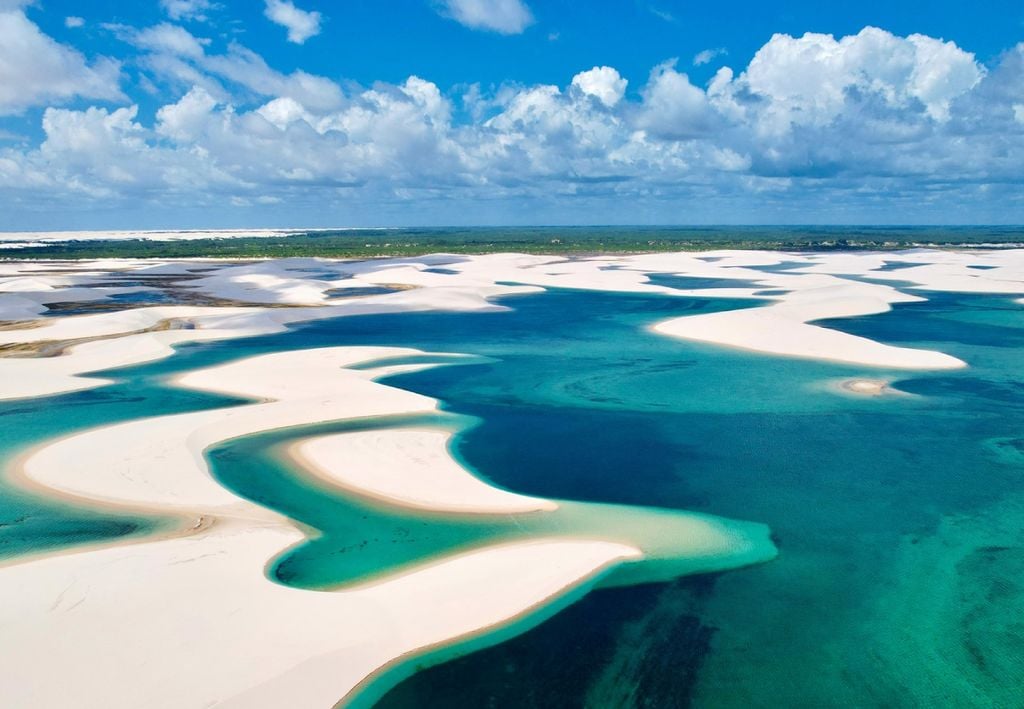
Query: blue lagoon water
{"x": 899, "y": 519}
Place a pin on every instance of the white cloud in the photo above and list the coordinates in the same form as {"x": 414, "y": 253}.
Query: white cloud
{"x": 809, "y": 80}
{"x": 187, "y": 9}
{"x": 245, "y": 67}
{"x": 942, "y": 71}
{"x": 171, "y": 39}
{"x": 176, "y": 56}
{"x": 502, "y": 16}
{"x": 35, "y": 69}
{"x": 708, "y": 55}
{"x": 301, "y": 25}
{"x": 674, "y": 108}
{"x": 184, "y": 121}
{"x": 72, "y": 22}
{"x": 810, "y": 118}
{"x": 663, "y": 14}
{"x": 603, "y": 83}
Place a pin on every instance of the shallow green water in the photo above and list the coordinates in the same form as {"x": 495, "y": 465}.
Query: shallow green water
{"x": 898, "y": 518}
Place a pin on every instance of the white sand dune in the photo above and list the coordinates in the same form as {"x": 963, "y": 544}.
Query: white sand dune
{"x": 784, "y": 329}
{"x": 410, "y": 467}
{"x": 30, "y": 376}
{"x": 192, "y": 621}
{"x": 176, "y": 622}
{"x": 815, "y": 286}
{"x": 156, "y": 463}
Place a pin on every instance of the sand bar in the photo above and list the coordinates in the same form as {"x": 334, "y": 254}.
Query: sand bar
{"x": 408, "y": 466}
{"x": 180, "y": 603}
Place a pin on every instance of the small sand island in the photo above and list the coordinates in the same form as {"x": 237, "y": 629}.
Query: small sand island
{"x": 866, "y": 387}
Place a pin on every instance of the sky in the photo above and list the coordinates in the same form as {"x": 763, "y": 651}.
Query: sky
{"x": 158, "y": 114}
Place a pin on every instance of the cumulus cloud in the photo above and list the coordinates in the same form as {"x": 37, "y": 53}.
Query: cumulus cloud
{"x": 673, "y": 107}
{"x": 35, "y": 69}
{"x": 72, "y": 22}
{"x": 838, "y": 121}
{"x": 603, "y": 83}
{"x": 301, "y": 24}
{"x": 502, "y": 16}
{"x": 811, "y": 79}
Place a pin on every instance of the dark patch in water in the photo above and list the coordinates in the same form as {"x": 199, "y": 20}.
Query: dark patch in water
{"x": 896, "y": 266}
{"x": 695, "y": 283}
{"x": 358, "y": 292}
{"x": 624, "y": 647}
{"x": 781, "y": 267}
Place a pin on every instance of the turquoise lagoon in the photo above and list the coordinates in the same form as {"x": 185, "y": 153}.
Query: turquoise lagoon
{"x": 900, "y": 579}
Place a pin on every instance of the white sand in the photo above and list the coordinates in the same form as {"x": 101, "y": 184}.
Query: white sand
{"x": 410, "y": 467}
{"x": 157, "y": 463}
{"x": 192, "y": 621}
{"x": 784, "y": 329}
{"x": 865, "y": 387}
{"x": 29, "y": 377}
{"x": 818, "y": 286}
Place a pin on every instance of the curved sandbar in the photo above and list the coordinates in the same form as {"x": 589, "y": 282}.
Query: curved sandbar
{"x": 785, "y": 329}
{"x": 157, "y": 463}
{"x": 408, "y": 466}
{"x": 193, "y": 621}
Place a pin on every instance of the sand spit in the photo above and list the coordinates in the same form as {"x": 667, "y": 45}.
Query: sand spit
{"x": 409, "y": 467}
{"x": 785, "y": 329}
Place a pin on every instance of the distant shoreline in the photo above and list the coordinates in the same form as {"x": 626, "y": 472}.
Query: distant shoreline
{"x": 404, "y": 241}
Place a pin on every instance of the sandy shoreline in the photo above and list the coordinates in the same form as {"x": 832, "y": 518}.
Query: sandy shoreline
{"x": 812, "y": 287}
{"x": 408, "y": 467}
{"x": 182, "y": 597}
{"x": 171, "y": 592}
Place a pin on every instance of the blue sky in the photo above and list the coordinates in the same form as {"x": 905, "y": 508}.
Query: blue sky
{"x": 202, "y": 113}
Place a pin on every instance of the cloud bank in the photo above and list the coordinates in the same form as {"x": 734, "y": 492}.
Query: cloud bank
{"x": 841, "y": 125}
